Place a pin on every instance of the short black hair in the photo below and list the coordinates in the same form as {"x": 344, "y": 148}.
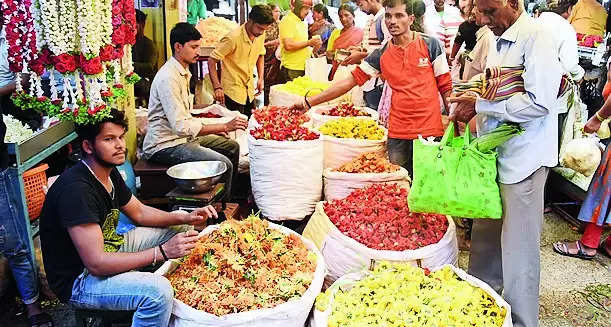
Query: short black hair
{"x": 182, "y": 33}
{"x": 90, "y": 131}
{"x": 261, "y": 14}
{"x": 412, "y": 7}
{"x": 140, "y": 17}
{"x": 562, "y": 6}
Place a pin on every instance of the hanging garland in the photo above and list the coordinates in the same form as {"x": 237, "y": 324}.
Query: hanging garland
{"x": 84, "y": 41}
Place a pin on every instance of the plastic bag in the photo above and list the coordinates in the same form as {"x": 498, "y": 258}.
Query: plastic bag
{"x": 452, "y": 178}
{"x": 320, "y": 318}
{"x": 317, "y": 69}
{"x": 344, "y": 255}
{"x": 582, "y": 155}
{"x": 319, "y": 119}
{"x": 286, "y": 177}
{"x": 339, "y": 185}
{"x": 292, "y": 313}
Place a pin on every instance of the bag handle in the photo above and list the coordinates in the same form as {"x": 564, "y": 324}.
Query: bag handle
{"x": 448, "y": 136}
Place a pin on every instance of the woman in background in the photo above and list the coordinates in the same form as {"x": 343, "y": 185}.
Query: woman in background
{"x": 349, "y": 36}
{"x": 322, "y": 26}
{"x": 271, "y": 63}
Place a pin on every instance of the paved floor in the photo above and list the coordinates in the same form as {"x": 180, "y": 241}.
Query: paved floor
{"x": 573, "y": 292}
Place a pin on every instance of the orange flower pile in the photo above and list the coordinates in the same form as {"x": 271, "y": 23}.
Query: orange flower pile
{"x": 369, "y": 162}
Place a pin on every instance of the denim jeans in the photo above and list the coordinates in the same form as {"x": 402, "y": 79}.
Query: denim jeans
{"x": 150, "y": 295}
{"x": 205, "y": 148}
{"x": 14, "y": 239}
{"x": 401, "y": 152}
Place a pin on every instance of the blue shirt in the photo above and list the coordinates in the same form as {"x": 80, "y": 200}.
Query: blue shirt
{"x": 525, "y": 43}
{"x": 6, "y": 75}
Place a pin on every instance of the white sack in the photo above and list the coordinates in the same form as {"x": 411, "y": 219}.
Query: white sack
{"x": 339, "y": 151}
{"x": 290, "y": 314}
{"x": 339, "y": 185}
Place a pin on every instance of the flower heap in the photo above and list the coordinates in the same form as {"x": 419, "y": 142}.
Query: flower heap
{"x": 75, "y": 38}
{"x": 281, "y": 124}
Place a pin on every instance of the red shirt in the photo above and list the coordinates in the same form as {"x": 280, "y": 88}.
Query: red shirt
{"x": 416, "y": 74}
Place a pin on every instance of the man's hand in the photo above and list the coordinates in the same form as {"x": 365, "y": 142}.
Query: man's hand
{"x": 315, "y": 42}
{"x": 180, "y": 245}
{"x": 592, "y": 126}
{"x": 219, "y": 95}
{"x": 236, "y": 123}
{"x": 465, "y": 107}
{"x": 260, "y": 86}
{"x": 354, "y": 58}
{"x": 301, "y": 106}
{"x": 199, "y": 216}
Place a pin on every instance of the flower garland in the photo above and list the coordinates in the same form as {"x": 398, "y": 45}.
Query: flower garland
{"x": 49, "y": 19}
{"x": 88, "y": 24}
{"x": 68, "y": 25}
{"x": 20, "y": 34}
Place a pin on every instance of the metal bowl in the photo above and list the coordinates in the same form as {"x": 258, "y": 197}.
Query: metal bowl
{"x": 197, "y": 176}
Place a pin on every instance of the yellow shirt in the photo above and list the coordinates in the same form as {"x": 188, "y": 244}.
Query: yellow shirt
{"x": 588, "y": 17}
{"x": 291, "y": 27}
{"x": 332, "y": 38}
{"x": 238, "y": 56}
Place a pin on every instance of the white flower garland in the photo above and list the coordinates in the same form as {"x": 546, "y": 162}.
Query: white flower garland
{"x": 49, "y": 17}
{"x": 105, "y": 9}
{"x": 41, "y": 39}
{"x": 68, "y": 25}
{"x": 88, "y": 26}
{"x": 53, "y": 83}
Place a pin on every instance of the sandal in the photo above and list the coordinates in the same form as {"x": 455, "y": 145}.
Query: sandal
{"x": 41, "y": 320}
{"x": 561, "y": 248}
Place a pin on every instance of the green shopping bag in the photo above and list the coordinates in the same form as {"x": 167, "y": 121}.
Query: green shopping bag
{"x": 453, "y": 178}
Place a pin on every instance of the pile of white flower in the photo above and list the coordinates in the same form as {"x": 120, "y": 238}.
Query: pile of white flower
{"x": 16, "y": 132}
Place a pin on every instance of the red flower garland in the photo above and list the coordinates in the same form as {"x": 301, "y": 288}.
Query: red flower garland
{"x": 20, "y": 35}
{"x": 124, "y": 25}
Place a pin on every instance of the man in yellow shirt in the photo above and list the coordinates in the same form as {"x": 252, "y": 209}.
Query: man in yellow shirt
{"x": 296, "y": 48}
{"x": 588, "y": 17}
{"x": 239, "y": 52}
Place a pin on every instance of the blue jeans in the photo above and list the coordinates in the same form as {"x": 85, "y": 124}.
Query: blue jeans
{"x": 14, "y": 239}
{"x": 150, "y": 295}
{"x": 205, "y": 148}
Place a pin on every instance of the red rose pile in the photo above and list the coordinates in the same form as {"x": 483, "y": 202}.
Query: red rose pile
{"x": 590, "y": 41}
{"x": 378, "y": 217}
{"x": 346, "y": 110}
{"x": 206, "y": 115}
{"x": 281, "y": 124}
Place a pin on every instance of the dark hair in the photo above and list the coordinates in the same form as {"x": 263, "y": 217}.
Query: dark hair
{"x": 90, "y": 131}
{"x": 140, "y": 17}
{"x": 182, "y": 33}
{"x": 347, "y": 7}
{"x": 562, "y": 6}
{"x": 261, "y": 14}
{"x": 412, "y": 7}
{"x": 272, "y": 6}
{"x": 322, "y": 9}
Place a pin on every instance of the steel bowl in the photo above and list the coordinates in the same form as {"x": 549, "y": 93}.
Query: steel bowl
{"x": 197, "y": 176}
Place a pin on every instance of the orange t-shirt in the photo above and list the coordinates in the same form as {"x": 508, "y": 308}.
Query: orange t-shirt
{"x": 416, "y": 74}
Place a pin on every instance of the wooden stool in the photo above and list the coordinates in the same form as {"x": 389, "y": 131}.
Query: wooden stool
{"x": 153, "y": 179}
{"x": 89, "y": 317}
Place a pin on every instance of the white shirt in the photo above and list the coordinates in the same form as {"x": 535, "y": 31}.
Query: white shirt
{"x": 444, "y": 29}
{"x": 565, "y": 37}
{"x": 169, "y": 116}
{"x": 6, "y": 75}
{"x": 528, "y": 44}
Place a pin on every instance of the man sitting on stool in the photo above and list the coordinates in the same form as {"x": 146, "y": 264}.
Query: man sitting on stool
{"x": 88, "y": 264}
{"x": 174, "y": 136}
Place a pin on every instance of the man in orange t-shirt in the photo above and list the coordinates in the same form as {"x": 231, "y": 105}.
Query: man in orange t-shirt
{"x": 415, "y": 67}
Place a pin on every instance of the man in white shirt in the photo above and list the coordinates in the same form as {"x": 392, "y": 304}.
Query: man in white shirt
{"x": 442, "y": 20}
{"x": 506, "y": 253}
{"x": 376, "y": 33}
{"x": 564, "y": 35}
{"x": 174, "y": 136}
